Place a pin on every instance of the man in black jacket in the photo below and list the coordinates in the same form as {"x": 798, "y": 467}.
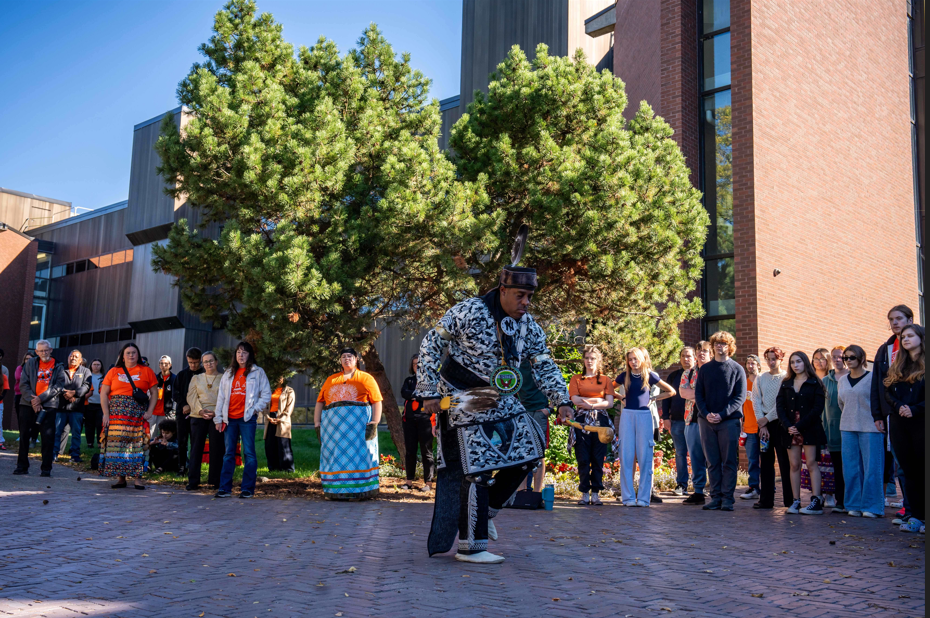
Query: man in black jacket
{"x": 898, "y": 317}
{"x": 182, "y": 382}
{"x": 673, "y": 419}
{"x": 719, "y": 394}
{"x": 37, "y": 405}
{"x": 70, "y": 386}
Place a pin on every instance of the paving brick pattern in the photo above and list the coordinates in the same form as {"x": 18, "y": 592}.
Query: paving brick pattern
{"x": 93, "y": 551}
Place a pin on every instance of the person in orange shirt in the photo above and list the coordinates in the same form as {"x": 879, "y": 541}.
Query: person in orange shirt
{"x": 347, "y": 413}
{"x": 124, "y": 417}
{"x": 751, "y": 429}
{"x": 244, "y": 391}
{"x": 593, "y": 394}
{"x": 37, "y": 405}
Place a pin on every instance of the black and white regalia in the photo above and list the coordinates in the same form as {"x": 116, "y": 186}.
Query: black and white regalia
{"x": 488, "y": 443}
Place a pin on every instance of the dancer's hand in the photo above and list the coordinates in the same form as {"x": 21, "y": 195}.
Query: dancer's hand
{"x": 432, "y": 406}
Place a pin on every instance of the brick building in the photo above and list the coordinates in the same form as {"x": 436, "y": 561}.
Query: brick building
{"x": 803, "y": 125}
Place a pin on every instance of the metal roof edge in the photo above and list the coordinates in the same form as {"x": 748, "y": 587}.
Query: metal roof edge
{"x": 180, "y": 108}
{"x": 601, "y": 12}
{"x": 97, "y": 212}
{"x": 50, "y": 200}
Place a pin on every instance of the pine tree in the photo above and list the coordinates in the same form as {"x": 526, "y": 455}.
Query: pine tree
{"x": 338, "y": 210}
{"x": 616, "y": 226}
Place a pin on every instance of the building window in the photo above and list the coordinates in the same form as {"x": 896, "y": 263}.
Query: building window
{"x": 100, "y": 261}
{"x": 716, "y": 164}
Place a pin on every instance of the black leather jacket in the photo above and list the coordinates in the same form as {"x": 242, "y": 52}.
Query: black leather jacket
{"x": 810, "y": 401}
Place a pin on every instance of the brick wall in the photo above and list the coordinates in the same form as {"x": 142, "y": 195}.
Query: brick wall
{"x": 637, "y": 53}
{"x": 17, "y": 275}
{"x": 822, "y": 172}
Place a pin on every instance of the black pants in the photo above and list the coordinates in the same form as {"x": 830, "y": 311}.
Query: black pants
{"x": 418, "y": 431}
{"x": 27, "y": 423}
{"x": 160, "y": 456}
{"x": 767, "y": 463}
{"x": 839, "y": 482}
{"x": 278, "y": 452}
{"x": 590, "y": 454}
{"x": 721, "y": 449}
{"x": 184, "y": 432}
{"x": 477, "y": 504}
{"x": 907, "y": 440}
{"x": 201, "y": 429}
{"x": 93, "y": 423}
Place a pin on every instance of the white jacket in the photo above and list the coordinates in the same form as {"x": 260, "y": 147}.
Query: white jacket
{"x": 257, "y": 395}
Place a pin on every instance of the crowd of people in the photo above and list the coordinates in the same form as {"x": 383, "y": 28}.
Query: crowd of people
{"x": 855, "y": 426}
{"x": 863, "y": 422}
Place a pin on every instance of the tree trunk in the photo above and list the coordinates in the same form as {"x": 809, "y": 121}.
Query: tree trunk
{"x": 389, "y": 407}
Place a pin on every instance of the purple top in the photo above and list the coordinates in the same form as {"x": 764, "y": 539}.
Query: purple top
{"x": 19, "y": 372}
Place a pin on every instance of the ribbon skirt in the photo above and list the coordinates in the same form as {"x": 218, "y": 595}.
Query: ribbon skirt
{"x": 124, "y": 454}
{"x": 348, "y": 463}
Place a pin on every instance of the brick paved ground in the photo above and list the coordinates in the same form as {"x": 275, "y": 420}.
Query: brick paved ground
{"x": 163, "y": 552}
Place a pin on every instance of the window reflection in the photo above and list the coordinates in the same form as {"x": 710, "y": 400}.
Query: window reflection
{"x": 716, "y": 15}
{"x": 721, "y": 287}
{"x": 717, "y": 61}
{"x": 718, "y": 172}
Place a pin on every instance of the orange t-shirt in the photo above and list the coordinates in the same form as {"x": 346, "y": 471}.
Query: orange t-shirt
{"x": 237, "y": 395}
{"x": 276, "y": 399}
{"x": 143, "y": 377}
{"x": 44, "y": 376}
{"x": 360, "y": 387}
{"x": 580, "y": 386}
{"x": 750, "y": 424}
{"x": 6, "y": 383}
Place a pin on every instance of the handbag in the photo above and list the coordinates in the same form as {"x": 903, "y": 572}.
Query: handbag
{"x": 138, "y": 395}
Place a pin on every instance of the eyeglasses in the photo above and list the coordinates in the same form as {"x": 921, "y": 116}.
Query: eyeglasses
{"x": 213, "y": 362}
{"x": 849, "y": 358}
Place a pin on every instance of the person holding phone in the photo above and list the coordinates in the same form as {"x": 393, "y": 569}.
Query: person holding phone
{"x": 200, "y": 401}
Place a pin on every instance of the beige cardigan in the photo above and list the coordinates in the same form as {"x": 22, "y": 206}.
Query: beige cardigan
{"x": 285, "y": 409}
{"x": 201, "y": 398}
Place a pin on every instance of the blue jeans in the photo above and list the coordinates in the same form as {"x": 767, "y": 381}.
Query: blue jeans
{"x": 236, "y": 428}
{"x": 698, "y": 461}
{"x": 752, "y": 454}
{"x": 76, "y": 421}
{"x": 636, "y": 444}
{"x": 681, "y": 454}
{"x": 863, "y": 471}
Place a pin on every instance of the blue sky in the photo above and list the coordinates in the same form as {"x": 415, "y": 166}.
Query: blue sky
{"x": 78, "y": 75}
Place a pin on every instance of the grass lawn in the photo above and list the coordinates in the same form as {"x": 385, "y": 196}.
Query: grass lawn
{"x": 304, "y": 443}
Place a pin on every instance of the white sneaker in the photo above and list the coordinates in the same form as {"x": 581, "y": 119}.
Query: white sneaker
{"x": 752, "y": 494}
{"x": 871, "y": 515}
{"x": 854, "y": 513}
{"x": 829, "y": 501}
{"x": 814, "y": 508}
{"x": 795, "y": 507}
{"x": 492, "y": 530}
{"x": 482, "y": 557}
{"x": 679, "y": 491}
{"x": 642, "y": 503}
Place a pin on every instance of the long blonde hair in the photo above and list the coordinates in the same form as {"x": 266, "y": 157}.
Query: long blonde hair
{"x": 644, "y": 366}
{"x": 903, "y": 369}
{"x": 592, "y": 349}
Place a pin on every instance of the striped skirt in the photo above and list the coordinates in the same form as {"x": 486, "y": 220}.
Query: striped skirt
{"x": 124, "y": 454}
{"x": 348, "y": 463}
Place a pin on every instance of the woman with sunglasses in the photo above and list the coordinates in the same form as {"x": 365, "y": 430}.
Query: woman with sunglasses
{"x": 863, "y": 444}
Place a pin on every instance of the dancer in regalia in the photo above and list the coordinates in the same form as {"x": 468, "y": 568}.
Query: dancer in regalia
{"x": 488, "y": 443}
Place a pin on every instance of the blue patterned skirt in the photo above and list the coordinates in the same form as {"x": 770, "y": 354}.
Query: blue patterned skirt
{"x": 348, "y": 463}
